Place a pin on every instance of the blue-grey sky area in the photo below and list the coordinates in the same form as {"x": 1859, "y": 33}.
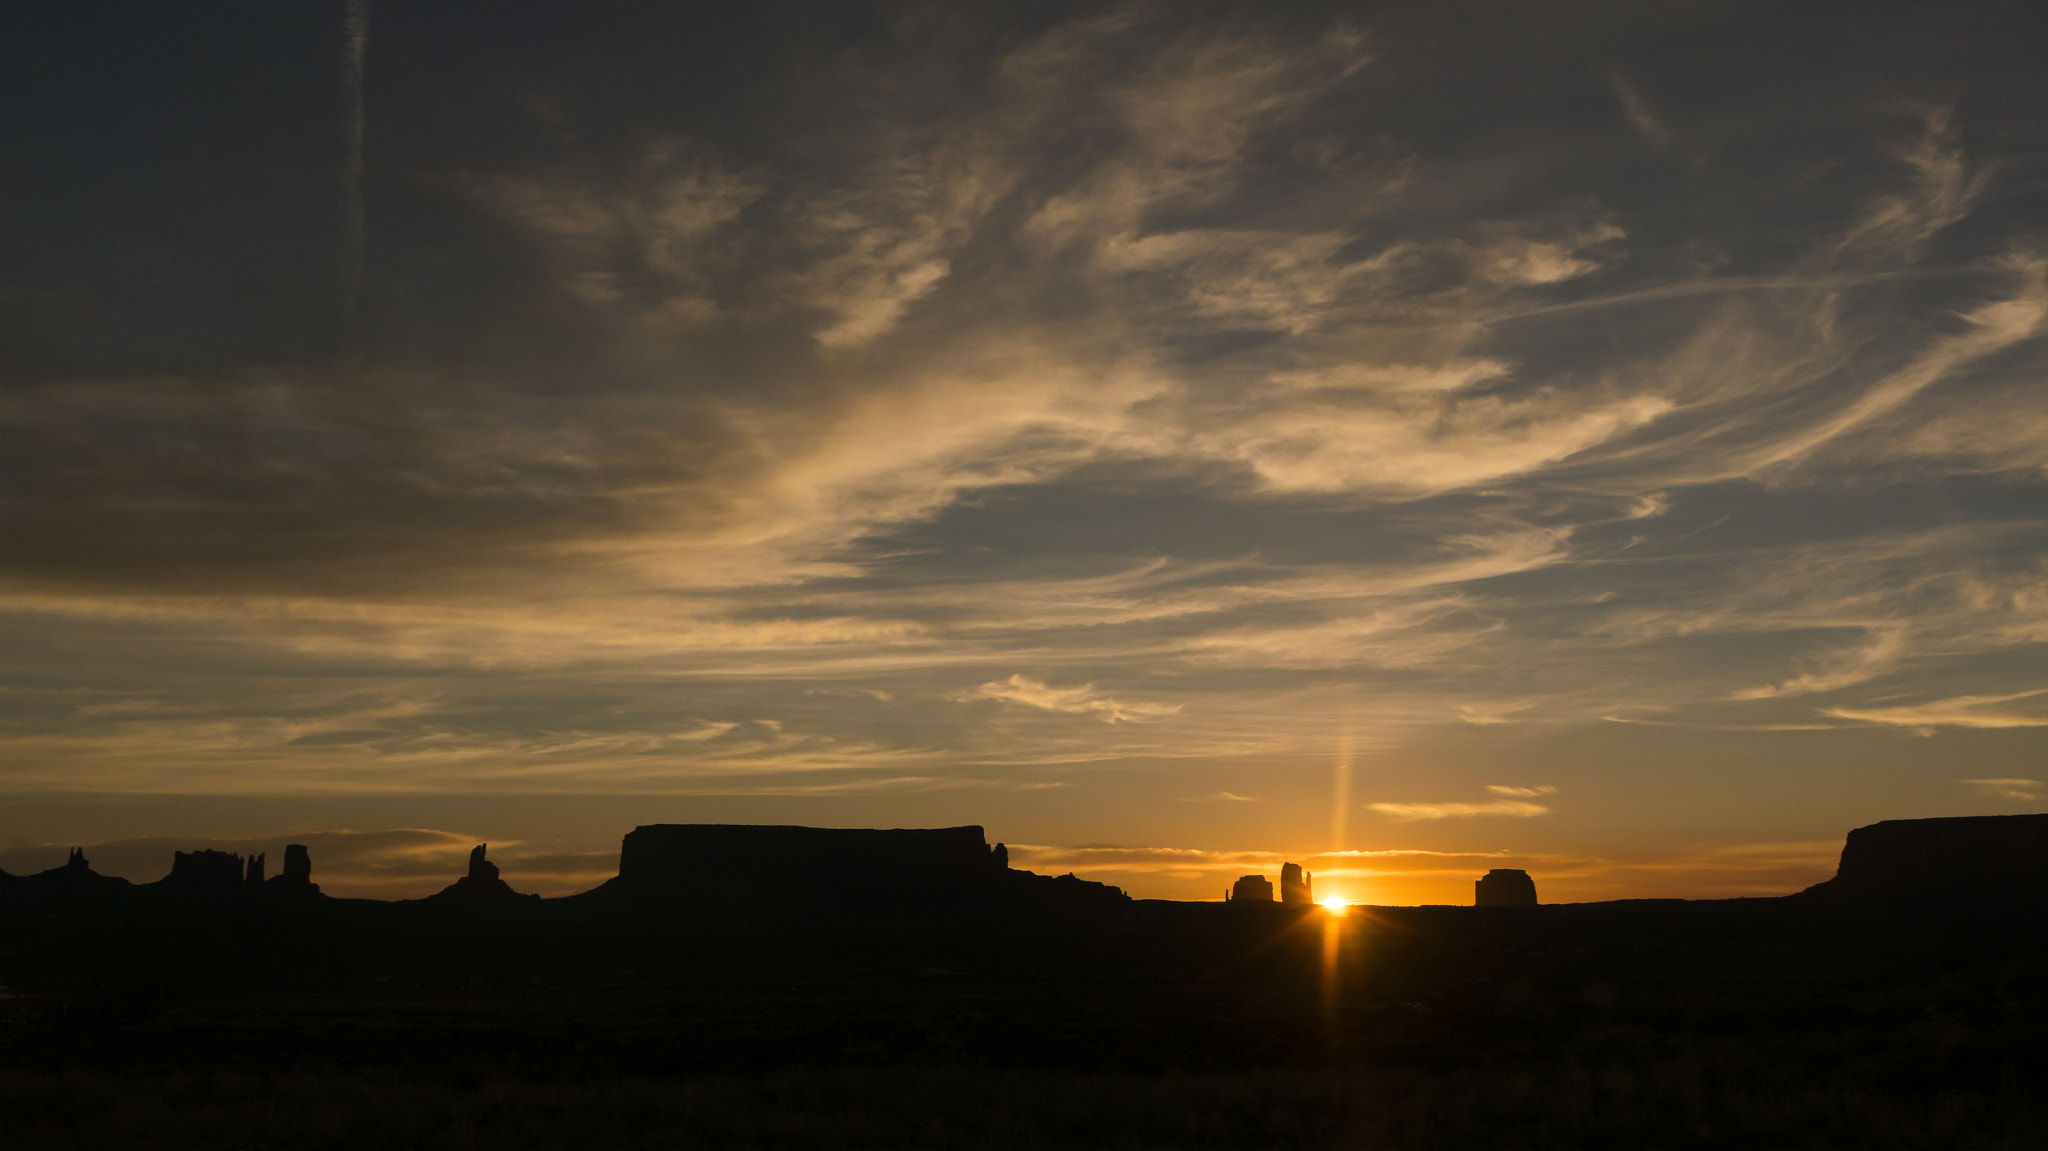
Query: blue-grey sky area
{"x": 1605, "y": 439}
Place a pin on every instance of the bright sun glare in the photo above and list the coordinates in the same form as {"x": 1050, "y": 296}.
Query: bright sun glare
{"x": 1336, "y": 906}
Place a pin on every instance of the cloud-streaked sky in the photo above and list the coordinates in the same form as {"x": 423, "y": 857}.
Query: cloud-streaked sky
{"x": 1409, "y": 439}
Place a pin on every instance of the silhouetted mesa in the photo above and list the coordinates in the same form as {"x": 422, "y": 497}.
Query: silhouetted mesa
{"x": 1295, "y": 885}
{"x": 205, "y": 870}
{"x": 1251, "y": 889}
{"x": 481, "y": 885}
{"x": 1505, "y": 887}
{"x": 1975, "y": 855}
{"x": 735, "y": 866}
{"x": 254, "y": 877}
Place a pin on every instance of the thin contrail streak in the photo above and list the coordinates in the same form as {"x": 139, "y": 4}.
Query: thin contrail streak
{"x": 355, "y": 38}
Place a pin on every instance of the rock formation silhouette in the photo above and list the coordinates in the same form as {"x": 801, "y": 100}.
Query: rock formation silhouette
{"x": 1977, "y": 856}
{"x": 254, "y": 876}
{"x": 715, "y": 866}
{"x": 481, "y": 886}
{"x": 1505, "y": 887}
{"x": 298, "y": 864}
{"x": 75, "y": 880}
{"x": 1028, "y": 888}
{"x": 1251, "y": 889}
{"x": 205, "y": 870}
{"x": 1296, "y": 885}
{"x": 296, "y": 879}
{"x": 76, "y": 871}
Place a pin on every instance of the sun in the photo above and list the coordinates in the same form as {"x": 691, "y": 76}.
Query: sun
{"x": 1336, "y": 906}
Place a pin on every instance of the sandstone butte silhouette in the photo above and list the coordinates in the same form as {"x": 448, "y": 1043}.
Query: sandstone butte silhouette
{"x": 1504, "y": 887}
{"x": 689, "y": 866}
{"x": 1295, "y": 887}
{"x": 204, "y": 875}
{"x": 1250, "y": 889}
{"x": 1965, "y": 858}
{"x": 481, "y": 887}
{"x": 694, "y": 864}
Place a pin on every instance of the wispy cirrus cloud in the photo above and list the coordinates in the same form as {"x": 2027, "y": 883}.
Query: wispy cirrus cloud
{"x": 1082, "y": 700}
{"x": 1973, "y": 711}
{"x": 1413, "y": 811}
{"x": 1639, "y": 114}
{"x": 1515, "y": 800}
{"x": 1101, "y": 856}
{"x": 1853, "y": 667}
{"x": 2014, "y": 789}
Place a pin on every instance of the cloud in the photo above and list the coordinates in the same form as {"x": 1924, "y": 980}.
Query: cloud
{"x": 1225, "y": 796}
{"x": 1489, "y": 714}
{"x": 1854, "y": 667}
{"x": 1722, "y": 726}
{"x": 1639, "y": 114}
{"x": 1958, "y": 711}
{"x": 1989, "y": 328}
{"x": 2017, "y": 789}
{"x": 581, "y": 865}
{"x": 1414, "y": 811}
{"x": 1514, "y": 801}
{"x": 647, "y": 246}
{"x": 1081, "y": 700}
{"x": 1124, "y": 349}
{"x": 1703, "y": 871}
{"x": 1406, "y": 875}
{"x": 1150, "y": 859}
{"x": 1943, "y": 189}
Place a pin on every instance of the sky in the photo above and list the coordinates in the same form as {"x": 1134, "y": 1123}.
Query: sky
{"x": 1604, "y": 439}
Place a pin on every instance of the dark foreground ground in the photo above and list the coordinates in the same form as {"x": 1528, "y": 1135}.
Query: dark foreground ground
{"x": 1769, "y": 1023}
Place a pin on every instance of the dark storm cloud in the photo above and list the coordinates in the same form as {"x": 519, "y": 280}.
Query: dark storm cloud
{"x": 906, "y": 396}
